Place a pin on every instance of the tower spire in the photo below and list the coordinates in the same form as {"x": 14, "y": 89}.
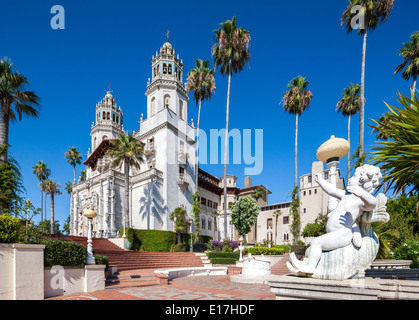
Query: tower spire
{"x": 167, "y": 35}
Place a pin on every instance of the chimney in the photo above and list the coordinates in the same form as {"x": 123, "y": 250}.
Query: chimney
{"x": 247, "y": 182}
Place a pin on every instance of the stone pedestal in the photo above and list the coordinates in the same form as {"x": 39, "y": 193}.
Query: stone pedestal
{"x": 296, "y": 288}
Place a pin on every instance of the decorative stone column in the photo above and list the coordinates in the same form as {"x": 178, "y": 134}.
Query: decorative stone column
{"x": 90, "y": 214}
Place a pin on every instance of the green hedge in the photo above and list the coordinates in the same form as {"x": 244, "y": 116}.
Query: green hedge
{"x": 151, "y": 240}
{"x": 265, "y": 251}
{"x": 219, "y": 254}
{"x": 217, "y": 257}
{"x": 101, "y": 260}
{"x": 10, "y": 229}
{"x": 160, "y": 240}
{"x": 223, "y": 261}
{"x": 64, "y": 253}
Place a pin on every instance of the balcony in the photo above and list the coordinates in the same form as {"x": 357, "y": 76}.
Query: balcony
{"x": 182, "y": 181}
{"x": 149, "y": 150}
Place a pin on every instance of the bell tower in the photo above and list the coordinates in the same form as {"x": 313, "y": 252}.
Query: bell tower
{"x": 166, "y": 89}
{"x": 109, "y": 120}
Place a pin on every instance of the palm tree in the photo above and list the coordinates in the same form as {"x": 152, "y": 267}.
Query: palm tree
{"x": 202, "y": 82}
{"x": 230, "y": 53}
{"x": 129, "y": 150}
{"x": 42, "y": 173}
{"x": 349, "y": 105}
{"x": 296, "y": 100}
{"x": 257, "y": 194}
{"x": 410, "y": 54}
{"x": 52, "y": 188}
{"x": 73, "y": 158}
{"x": 179, "y": 217}
{"x": 69, "y": 188}
{"x": 399, "y": 155}
{"x": 276, "y": 214}
{"x": 373, "y": 12}
{"x": 12, "y": 93}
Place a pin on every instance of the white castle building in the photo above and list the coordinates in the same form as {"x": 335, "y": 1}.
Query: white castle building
{"x": 166, "y": 178}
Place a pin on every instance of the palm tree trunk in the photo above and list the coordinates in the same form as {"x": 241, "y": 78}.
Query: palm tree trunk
{"x": 4, "y": 129}
{"x": 348, "y": 164}
{"x": 52, "y": 212}
{"x": 362, "y": 109}
{"x": 296, "y": 144}
{"x": 126, "y": 210}
{"x": 415, "y": 77}
{"x": 226, "y": 151}
{"x": 42, "y": 203}
{"x": 197, "y": 148}
{"x": 74, "y": 171}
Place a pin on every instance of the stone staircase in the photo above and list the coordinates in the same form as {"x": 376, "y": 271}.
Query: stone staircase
{"x": 134, "y": 260}
{"x": 280, "y": 268}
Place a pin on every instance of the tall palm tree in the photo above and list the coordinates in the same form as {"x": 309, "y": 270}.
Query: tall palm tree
{"x": 42, "y": 173}
{"x": 13, "y": 94}
{"x": 410, "y": 54}
{"x": 349, "y": 105}
{"x": 129, "y": 150}
{"x": 69, "y": 188}
{"x": 73, "y": 158}
{"x": 52, "y": 188}
{"x": 373, "y": 12}
{"x": 202, "y": 82}
{"x": 230, "y": 53}
{"x": 296, "y": 100}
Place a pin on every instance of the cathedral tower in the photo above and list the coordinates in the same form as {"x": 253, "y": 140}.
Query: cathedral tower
{"x": 109, "y": 121}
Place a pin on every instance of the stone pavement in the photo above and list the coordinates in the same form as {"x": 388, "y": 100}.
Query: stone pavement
{"x": 186, "y": 288}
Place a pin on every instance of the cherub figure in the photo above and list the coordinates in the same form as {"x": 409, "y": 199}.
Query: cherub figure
{"x": 342, "y": 227}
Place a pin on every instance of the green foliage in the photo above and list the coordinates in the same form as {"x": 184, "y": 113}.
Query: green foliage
{"x": 223, "y": 261}
{"x": 64, "y": 253}
{"x": 181, "y": 247}
{"x": 408, "y": 250}
{"x": 266, "y": 251}
{"x": 317, "y": 228}
{"x": 151, "y": 240}
{"x": 216, "y": 254}
{"x": 223, "y": 257}
{"x": 244, "y": 214}
{"x": 399, "y": 155}
{"x": 196, "y": 209}
{"x": 295, "y": 225}
{"x": 10, "y": 229}
{"x": 101, "y": 260}
{"x": 11, "y": 185}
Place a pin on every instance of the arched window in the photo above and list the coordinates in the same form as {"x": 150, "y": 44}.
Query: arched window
{"x": 94, "y": 143}
{"x": 108, "y": 116}
{"x": 170, "y": 69}
{"x": 158, "y": 69}
{"x": 181, "y": 110}
{"x": 153, "y": 107}
{"x": 113, "y": 117}
{"x": 117, "y": 119}
{"x": 167, "y": 101}
{"x": 104, "y": 115}
{"x": 154, "y": 71}
{"x": 164, "y": 68}
{"x": 104, "y": 137}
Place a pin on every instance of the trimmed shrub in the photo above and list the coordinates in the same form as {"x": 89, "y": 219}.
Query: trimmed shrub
{"x": 223, "y": 261}
{"x": 151, "y": 240}
{"x": 265, "y": 251}
{"x": 10, "y": 229}
{"x": 230, "y": 255}
{"x": 101, "y": 260}
{"x": 64, "y": 253}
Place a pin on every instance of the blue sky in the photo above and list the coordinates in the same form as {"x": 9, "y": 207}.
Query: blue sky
{"x": 113, "y": 42}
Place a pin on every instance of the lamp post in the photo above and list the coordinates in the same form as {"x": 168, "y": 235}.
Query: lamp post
{"x": 330, "y": 152}
{"x": 90, "y": 214}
